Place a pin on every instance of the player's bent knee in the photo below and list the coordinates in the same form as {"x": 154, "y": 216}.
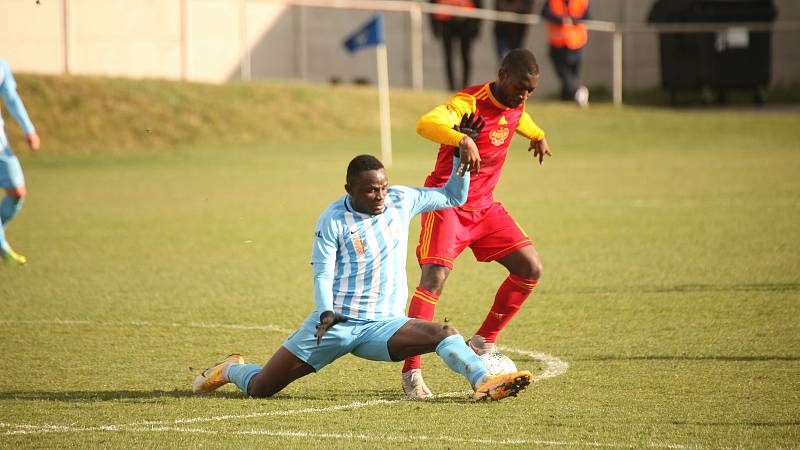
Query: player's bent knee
{"x": 531, "y": 269}
{"x": 434, "y": 277}
{"x": 445, "y": 331}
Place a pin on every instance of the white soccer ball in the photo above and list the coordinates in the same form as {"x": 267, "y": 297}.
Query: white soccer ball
{"x": 497, "y": 363}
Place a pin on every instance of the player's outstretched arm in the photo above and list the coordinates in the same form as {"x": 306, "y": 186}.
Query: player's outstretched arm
{"x": 438, "y": 124}
{"x": 453, "y": 193}
{"x": 8, "y": 92}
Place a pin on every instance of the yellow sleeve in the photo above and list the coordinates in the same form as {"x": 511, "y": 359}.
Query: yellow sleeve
{"x": 528, "y": 128}
{"x": 437, "y": 125}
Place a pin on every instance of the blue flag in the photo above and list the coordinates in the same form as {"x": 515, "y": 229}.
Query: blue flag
{"x": 370, "y": 34}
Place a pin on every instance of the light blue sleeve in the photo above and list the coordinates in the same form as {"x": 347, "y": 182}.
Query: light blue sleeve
{"x": 323, "y": 261}
{"x": 453, "y": 193}
{"x": 8, "y": 91}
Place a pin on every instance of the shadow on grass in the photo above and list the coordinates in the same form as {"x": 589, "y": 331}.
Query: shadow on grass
{"x": 735, "y": 424}
{"x": 752, "y": 287}
{"x": 103, "y": 396}
{"x": 147, "y": 396}
{"x": 733, "y": 358}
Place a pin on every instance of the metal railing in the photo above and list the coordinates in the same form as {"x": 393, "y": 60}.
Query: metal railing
{"x": 415, "y": 10}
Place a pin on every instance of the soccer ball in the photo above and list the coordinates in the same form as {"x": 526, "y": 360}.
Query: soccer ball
{"x": 497, "y": 363}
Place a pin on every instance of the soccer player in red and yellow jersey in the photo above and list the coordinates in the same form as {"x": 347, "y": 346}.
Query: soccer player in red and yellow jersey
{"x": 482, "y": 224}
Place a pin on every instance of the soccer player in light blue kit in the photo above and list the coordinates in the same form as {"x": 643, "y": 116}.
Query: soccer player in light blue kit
{"x": 11, "y": 178}
{"x": 360, "y": 292}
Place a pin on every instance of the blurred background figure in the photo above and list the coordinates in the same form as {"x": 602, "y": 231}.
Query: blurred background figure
{"x": 450, "y": 28}
{"x": 11, "y": 178}
{"x": 510, "y": 35}
{"x": 567, "y": 35}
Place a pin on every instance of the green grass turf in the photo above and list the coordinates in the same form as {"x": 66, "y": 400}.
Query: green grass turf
{"x": 671, "y": 288}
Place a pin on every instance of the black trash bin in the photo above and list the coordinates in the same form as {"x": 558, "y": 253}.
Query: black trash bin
{"x": 717, "y": 62}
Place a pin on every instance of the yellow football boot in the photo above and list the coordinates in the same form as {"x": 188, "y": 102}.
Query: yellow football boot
{"x": 500, "y": 386}
{"x": 211, "y": 379}
{"x": 12, "y": 257}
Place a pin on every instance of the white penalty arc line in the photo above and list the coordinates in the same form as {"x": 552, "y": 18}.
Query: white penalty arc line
{"x": 553, "y": 366}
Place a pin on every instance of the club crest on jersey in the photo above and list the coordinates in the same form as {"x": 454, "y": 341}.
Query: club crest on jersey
{"x": 498, "y": 136}
{"x": 358, "y": 244}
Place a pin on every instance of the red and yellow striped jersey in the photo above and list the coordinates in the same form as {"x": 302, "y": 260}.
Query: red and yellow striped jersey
{"x": 501, "y": 124}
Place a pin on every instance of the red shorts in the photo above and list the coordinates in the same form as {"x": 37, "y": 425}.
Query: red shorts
{"x": 491, "y": 233}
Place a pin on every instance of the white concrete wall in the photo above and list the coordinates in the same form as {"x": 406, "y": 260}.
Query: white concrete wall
{"x": 31, "y": 36}
{"x": 149, "y": 38}
{"x": 136, "y": 39}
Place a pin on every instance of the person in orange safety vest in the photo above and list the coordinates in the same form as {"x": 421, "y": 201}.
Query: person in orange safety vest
{"x": 567, "y": 36}
{"x": 464, "y": 30}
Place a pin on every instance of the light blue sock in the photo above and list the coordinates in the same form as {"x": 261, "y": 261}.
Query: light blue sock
{"x": 241, "y": 374}
{"x": 461, "y": 359}
{"x": 9, "y": 208}
{"x": 4, "y": 247}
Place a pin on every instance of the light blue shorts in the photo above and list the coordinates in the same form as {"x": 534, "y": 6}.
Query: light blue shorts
{"x": 10, "y": 170}
{"x": 368, "y": 339}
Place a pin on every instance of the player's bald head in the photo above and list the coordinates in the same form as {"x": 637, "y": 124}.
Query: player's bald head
{"x": 520, "y": 63}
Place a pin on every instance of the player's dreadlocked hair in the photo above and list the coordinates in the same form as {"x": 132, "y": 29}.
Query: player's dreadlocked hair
{"x": 520, "y": 62}
{"x": 362, "y": 163}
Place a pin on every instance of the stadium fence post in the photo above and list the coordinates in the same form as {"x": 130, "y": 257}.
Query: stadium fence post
{"x": 383, "y": 100}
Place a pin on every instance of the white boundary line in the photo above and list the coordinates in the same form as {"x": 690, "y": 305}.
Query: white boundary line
{"x": 137, "y": 323}
{"x": 139, "y": 428}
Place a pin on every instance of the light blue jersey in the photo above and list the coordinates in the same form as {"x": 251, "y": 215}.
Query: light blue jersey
{"x": 360, "y": 259}
{"x": 8, "y": 92}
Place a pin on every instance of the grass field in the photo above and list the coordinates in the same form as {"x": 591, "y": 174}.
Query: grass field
{"x": 668, "y": 315}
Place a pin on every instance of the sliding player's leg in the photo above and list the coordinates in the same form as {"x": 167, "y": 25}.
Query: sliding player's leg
{"x": 299, "y": 356}
{"x": 419, "y": 337}
{"x": 281, "y": 370}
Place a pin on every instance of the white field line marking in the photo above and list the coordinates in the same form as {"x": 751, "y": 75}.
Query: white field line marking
{"x": 380, "y": 437}
{"x": 353, "y": 436}
{"x": 31, "y": 429}
{"x": 555, "y": 366}
{"x": 137, "y": 323}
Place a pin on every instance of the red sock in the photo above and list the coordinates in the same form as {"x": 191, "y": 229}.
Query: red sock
{"x": 508, "y": 300}
{"x": 423, "y": 306}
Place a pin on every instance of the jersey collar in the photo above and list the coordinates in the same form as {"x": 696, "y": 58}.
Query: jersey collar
{"x": 348, "y": 205}
{"x": 495, "y": 102}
